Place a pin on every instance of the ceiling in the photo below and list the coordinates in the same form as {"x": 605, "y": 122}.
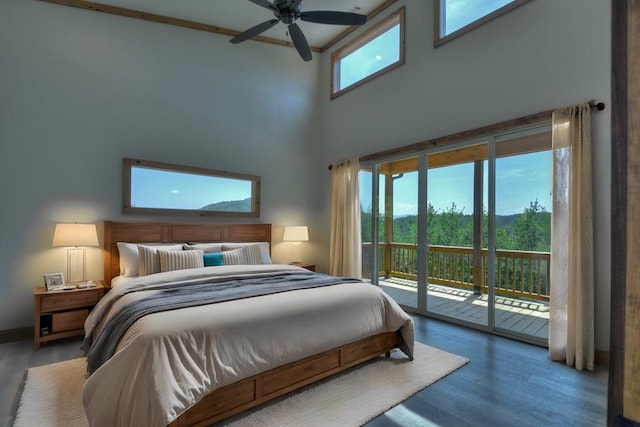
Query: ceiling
{"x": 240, "y": 15}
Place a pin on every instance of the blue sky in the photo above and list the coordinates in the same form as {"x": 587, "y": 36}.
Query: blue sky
{"x": 370, "y": 58}
{"x": 519, "y": 180}
{"x": 463, "y": 12}
{"x": 175, "y": 190}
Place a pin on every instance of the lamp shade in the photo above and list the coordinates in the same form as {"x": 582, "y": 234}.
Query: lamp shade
{"x": 75, "y": 235}
{"x": 296, "y": 234}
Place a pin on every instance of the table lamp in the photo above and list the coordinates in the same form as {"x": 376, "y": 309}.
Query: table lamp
{"x": 295, "y": 235}
{"x": 74, "y": 236}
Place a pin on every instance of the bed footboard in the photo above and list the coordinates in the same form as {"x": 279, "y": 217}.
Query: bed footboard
{"x": 253, "y": 391}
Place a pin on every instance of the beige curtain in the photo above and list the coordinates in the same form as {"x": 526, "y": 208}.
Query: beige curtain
{"x": 345, "y": 255}
{"x": 571, "y": 323}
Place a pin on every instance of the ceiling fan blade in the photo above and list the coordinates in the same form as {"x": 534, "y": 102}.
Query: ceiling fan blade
{"x": 300, "y": 42}
{"x": 254, "y": 31}
{"x": 335, "y": 18}
{"x": 265, "y": 3}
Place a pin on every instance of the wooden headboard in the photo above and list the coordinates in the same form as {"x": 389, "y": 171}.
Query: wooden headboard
{"x": 154, "y": 232}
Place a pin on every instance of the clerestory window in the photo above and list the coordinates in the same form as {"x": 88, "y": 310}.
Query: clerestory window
{"x": 379, "y": 50}
{"x": 456, "y": 17}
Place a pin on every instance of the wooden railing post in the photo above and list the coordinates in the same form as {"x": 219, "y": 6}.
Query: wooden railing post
{"x": 388, "y": 220}
{"x": 387, "y": 260}
{"x": 478, "y": 279}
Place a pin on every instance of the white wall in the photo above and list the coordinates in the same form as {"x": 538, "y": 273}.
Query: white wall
{"x": 80, "y": 90}
{"x": 546, "y": 54}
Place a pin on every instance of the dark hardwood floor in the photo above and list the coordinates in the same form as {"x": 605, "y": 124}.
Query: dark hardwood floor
{"x": 506, "y": 383}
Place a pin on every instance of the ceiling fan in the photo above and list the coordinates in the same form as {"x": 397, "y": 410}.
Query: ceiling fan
{"x": 289, "y": 11}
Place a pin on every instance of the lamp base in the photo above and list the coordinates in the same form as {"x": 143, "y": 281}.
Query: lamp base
{"x": 295, "y": 253}
{"x": 76, "y": 261}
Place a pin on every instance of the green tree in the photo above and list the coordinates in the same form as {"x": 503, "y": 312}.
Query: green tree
{"x": 530, "y": 232}
{"x": 366, "y": 219}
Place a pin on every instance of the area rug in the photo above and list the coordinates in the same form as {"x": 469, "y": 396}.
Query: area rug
{"x": 52, "y": 393}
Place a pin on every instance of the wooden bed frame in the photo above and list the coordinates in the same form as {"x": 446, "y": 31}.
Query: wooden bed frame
{"x": 253, "y": 391}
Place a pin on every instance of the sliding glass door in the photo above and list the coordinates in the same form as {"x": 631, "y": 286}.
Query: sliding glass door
{"x": 523, "y": 234}
{"x": 397, "y": 229}
{"x": 456, "y": 233}
{"x": 461, "y": 232}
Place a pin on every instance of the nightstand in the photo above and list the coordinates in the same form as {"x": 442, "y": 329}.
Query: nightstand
{"x": 61, "y": 314}
{"x": 310, "y": 267}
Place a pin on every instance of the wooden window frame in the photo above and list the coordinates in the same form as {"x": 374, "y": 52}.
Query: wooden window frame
{"x": 438, "y": 15}
{"x": 396, "y": 18}
{"x": 126, "y": 190}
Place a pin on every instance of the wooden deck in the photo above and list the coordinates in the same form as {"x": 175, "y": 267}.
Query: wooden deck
{"x": 517, "y": 315}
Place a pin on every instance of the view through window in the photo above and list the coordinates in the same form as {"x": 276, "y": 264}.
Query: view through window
{"x": 455, "y": 17}
{"x": 486, "y": 228}
{"x": 379, "y": 50}
{"x": 165, "y": 188}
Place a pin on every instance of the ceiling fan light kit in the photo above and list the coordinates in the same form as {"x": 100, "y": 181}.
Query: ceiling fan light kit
{"x": 289, "y": 11}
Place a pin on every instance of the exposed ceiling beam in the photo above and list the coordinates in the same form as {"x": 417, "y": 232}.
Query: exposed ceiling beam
{"x": 137, "y": 14}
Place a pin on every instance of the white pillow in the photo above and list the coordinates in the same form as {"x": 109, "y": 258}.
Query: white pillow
{"x": 130, "y": 256}
{"x": 206, "y": 247}
{"x": 181, "y": 260}
{"x": 245, "y": 255}
{"x": 264, "y": 250}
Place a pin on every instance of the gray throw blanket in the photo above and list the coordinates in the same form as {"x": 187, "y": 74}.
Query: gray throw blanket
{"x": 207, "y": 291}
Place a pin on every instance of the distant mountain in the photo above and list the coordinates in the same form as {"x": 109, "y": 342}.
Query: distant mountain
{"x": 502, "y": 221}
{"x": 506, "y": 221}
{"x": 229, "y": 206}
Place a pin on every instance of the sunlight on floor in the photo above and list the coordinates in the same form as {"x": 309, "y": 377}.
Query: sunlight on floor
{"x": 526, "y": 316}
{"x": 403, "y": 416}
{"x": 446, "y": 295}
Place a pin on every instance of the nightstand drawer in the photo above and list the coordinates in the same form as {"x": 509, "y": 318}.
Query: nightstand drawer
{"x": 72, "y": 299}
{"x": 68, "y": 320}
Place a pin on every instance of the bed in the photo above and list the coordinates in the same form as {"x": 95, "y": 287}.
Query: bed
{"x": 197, "y": 364}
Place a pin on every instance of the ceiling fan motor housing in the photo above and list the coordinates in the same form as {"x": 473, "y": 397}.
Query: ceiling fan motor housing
{"x": 287, "y": 13}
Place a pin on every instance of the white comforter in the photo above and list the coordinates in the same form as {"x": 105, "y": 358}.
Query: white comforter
{"x": 168, "y": 361}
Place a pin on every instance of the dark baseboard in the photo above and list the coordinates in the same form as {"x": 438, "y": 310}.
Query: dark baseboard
{"x": 621, "y": 421}
{"x": 18, "y": 334}
{"x": 602, "y": 357}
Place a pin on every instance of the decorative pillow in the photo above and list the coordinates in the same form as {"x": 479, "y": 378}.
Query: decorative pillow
{"x": 245, "y": 255}
{"x": 213, "y": 259}
{"x": 149, "y": 260}
{"x": 264, "y": 250}
{"x": 130, "y": 256}
{"x": 233, "y": 257}
{"x": 206, "y": 247}
{"x": 180, "y": 260}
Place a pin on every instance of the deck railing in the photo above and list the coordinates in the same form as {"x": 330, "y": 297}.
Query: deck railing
{"x": 521, "y": 274}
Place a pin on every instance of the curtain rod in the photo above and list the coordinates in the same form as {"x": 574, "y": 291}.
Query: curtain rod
{"x": 470, "y": 134}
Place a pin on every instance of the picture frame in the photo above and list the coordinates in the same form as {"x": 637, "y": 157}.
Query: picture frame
{"x": 54, "y": 281}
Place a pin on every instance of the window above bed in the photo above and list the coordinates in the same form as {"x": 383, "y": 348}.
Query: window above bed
{"x": 163, "y": 188}
{"x": 454, "y": 18}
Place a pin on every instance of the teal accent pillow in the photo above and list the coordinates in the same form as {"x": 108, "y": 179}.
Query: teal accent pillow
{"x": 213, "y": 259}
